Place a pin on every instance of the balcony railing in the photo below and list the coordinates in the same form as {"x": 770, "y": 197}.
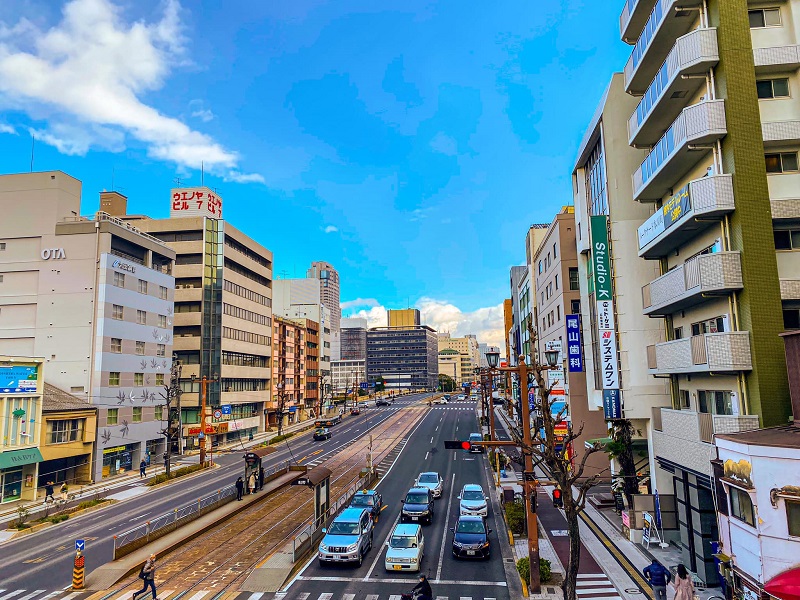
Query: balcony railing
{"x": 779, "y": 133}
{"x": 691, "y": 282}
{"x": 663, "y": 26}
{"x": 670, "y": 226}
{"x": 633, "y": 18}
{"x": 727, "y": 352}
{"x": 693, "y": 54}
{"x": 776, "y": 59}
{"x": 655, "y": 419}
{"x": 687, "y": 424}
{"x": 676, "y": 152}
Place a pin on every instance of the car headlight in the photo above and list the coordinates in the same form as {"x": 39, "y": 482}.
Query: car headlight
{"x": 425, "y": 512}
{"x": 457, "y": 544}
{"x": 352, "y": 547}
{"x": 389, "y": 559}
{"x": 323, "y": 548}
{"x": 485, "y": 545}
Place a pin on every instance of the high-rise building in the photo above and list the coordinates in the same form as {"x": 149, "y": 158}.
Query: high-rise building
{"x": 469, "y": 355}
{"x": 94, "y": 297}
{"x": 353, "y": 339}
{"x": 405, "y": 357}
{"x": 348, "y": 374}
{"x": 329, "y": 296}
{"x": 288, "y": 372}
{"x": 405, "y": 317}
{"x": 516, "y": 276}
{"x": 716, "y": 110}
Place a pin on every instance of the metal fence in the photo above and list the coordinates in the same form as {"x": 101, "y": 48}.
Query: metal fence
{"x": 312, "y": 532}
{"x": 133, "y": 539}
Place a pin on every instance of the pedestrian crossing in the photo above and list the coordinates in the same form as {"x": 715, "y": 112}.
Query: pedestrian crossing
{"x": 336, "y": 596}
{"x": 595, "y": 586}
{"x": 63, "y": 594}
{"x": 438, "y": 407}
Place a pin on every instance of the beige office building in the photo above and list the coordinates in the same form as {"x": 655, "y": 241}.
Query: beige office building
{"x": 469, "y": 355}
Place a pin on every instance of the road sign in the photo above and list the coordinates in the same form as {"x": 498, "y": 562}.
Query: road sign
{"x": 226, "y": 409}
{"x": 363, "y": 385}
{"x": 217, "y": 414}
{"x": 80, "y": 545}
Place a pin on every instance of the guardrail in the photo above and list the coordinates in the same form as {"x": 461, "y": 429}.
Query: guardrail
{"x": 312, "y": 532}
{"x": 133, "y": 539}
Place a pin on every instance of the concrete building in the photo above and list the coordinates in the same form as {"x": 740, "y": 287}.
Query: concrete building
{"x": 345, "y": 374}
{"x": 21, "y": 391}
{"x": 719, "y": 117}
{"x": 405, "y": 357}
{"x": 557, "y": 324}
{"x": 328, "y": 278}
{"x": 450, "y": 364}
{"x": 354, "y": 339}
{"x": 405, "y": 317}
{"x": 223, "y": 315}
{"x": 482, "y": 350}
{"x": 469, "y": 355}
{"x": 288, "y": 372}
{"x": 94, "y": 297}
{"x": 516, "y": 275}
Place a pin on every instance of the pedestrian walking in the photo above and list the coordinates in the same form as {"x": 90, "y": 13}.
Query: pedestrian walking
{"x": 261, "y": 478}
{"x": 142, "y": 468}
{"x": 48, "y": 492}
{"x": 239, "y": 488}
{"x": 658, "y": 577}
{"x": 64, "y": 490}
{"x": 683, "y": 584}
{"x": 148, "y": 575}
{"x": 166, "y": 461}
{"x": 251, "y": 483}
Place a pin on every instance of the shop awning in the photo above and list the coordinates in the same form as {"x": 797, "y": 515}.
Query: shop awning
{"x": 17, "y": 458}
{"x": 785, "y": 586}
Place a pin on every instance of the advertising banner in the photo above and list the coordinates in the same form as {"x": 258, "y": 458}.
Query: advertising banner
{"x": 601, "y": 264}
{"x": 608, "y": 359}
{"x": 612, "y": 405}
{"x": 606, "y": 326}
{"x": 574, "y": 344}
{"x": 19, "y": 379}
{"x": 674, "y": 209}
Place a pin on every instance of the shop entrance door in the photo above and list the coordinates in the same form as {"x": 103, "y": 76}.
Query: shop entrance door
{"x": 10, "y": 485}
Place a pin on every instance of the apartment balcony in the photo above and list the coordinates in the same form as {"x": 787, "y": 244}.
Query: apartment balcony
{"x": 727, "y": 352}
{"x": 777, "y": 59}
{"x": 678, "y": 79}
{"x": 693, "y": 281}
{"x": 633, "y": 19}
{"x": 780, "y": 133}
{"x": 681, "y": 147}
{"x": 784, "y": 195}
{"x": 709, "y": 199}
{"x": 790, "y": 289}
{"x": 664, "y": 25}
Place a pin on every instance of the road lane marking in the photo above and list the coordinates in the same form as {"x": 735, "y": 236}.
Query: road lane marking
{"x": 446, "y": 523}
{"x": 348, "y": 597}
{"x": 326, "y": 596}
{"x": 404, "y": 581}
{"x": 255, "y": 596}
{"x": 11, "y": 595}
{"x": 31, "y": 595}
{"x": 199, "y": 595}
{"x": 426, "y": 455}
{"x": 380, "y": 551}
{"x": 605, "y": 590}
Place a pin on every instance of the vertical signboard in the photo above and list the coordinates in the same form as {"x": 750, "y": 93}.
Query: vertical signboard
{"x": 574, "y": 354}
{"x": 604, "y": 297}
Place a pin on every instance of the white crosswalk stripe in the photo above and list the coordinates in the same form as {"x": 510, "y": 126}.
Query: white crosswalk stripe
{"x": 595, "y": 586}
{"x": 62, "y": 594}
{"x": 336, "y": 596}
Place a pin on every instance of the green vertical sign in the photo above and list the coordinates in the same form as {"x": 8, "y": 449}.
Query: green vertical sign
{"x": 600, "y": 262}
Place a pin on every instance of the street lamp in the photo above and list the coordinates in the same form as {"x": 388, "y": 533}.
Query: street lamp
{"x": 493, "y": 359}
{"x": 551, "y": 356}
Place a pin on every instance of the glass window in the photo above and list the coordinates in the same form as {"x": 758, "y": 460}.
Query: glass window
{"x": 162, "y": 321}
{"x": 159, "y": 379}
{"x": 793, "y": 517}
{"x": 119, "y": 279}
{"x": 142, "y": 286}
{"x": 113, "y": 378}
{"x": 117, "y": 312}
{"x": 116, "y": 345}
{"x": 162, "y": 350}
{"x": 574, "y": 281}
{"x": 141, "y": 317}
{"x": 159, "y": 413}
{"x": 742, "y": 506}
{"x": 783, "y": 240}
{"x": 575, "y": 307}
{"x": 772, "y": 88}
{"x": 556, "y": 280}
{"x": 112, "y": 416}
{"x": 64, "y": 431}
{"x": 138, "y": 379}
{"x": 785, "y": 162}
{"x": 140, "y": 348}
{"x": 684, "y": 398}
{"x": 791, "y": 318}
{"x": 764, "y": 17}
{"x": 715, "y": 402}
{"x": 162, "y": 292}
{"x": 137, "y": 414}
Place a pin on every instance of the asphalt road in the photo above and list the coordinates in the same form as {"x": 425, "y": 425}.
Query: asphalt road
{"x": 44, "y": 559}
{"x": 450, "y": 578}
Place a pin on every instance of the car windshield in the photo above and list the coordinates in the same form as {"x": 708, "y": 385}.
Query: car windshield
{"x": 469, "y": 527}
{"x": 403, "y": 541}
{"x": 475, "y": 437}
{"x": 472, "y": 495}
{"x": 362, "y": 501}
{"x": 417, "y": 499}
{"x": 338, "y": 528}
{"x": 429, "y": 478}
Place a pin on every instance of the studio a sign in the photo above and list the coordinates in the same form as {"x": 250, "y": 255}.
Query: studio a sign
{"x": 53, "y": 254}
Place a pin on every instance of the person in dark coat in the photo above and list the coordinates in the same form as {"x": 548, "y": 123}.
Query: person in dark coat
{"x": 239, "y": 488}
{"x": 658, "y": 577}
{"x": 261, "y": 478}
{"x": 424, "y": 589}
{"x": 142, "y": 468}
{"x": 48, "y": 492}
{"x": 148, "y": 575}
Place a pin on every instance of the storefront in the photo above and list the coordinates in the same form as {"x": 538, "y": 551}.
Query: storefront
{"x": 18, "y": 474}
{"x": 242, "y": 428}
{"x": 120, "y": 459}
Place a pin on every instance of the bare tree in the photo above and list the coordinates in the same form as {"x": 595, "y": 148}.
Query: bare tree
{"x": 172, "y": 393}
{"x": 282, "y": 396}
{"x": 571, "y": 479}
{"x": 621, "y": 449}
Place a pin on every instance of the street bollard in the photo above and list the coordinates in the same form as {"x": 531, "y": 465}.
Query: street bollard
{"x": 77, "y": 571}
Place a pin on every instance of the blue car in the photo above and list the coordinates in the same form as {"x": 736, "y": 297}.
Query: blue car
{"x": 471, "y": 538}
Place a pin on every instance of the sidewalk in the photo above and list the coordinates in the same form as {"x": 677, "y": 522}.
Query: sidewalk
{"x": 8, "y": 512}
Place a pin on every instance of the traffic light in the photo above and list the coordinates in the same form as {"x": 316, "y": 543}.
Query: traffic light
{"x": 558, "y": 502}
{"x": 456, "y": 445}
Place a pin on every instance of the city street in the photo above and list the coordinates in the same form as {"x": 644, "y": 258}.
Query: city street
{"x": 450, "y": 578}
{"x": 39, "y": 565}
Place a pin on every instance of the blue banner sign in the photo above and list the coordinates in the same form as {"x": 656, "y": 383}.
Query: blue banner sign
{"x": 19, "y": 379}
{"x": 574, "y": 354}
{"x": 612, "y": 404}
{"x": 226, "y": 409}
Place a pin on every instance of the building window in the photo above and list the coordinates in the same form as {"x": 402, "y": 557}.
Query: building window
{"x": 116, "y": 345}
{"x": 64, "y": 431}
{"x": 791, "y": 318}
{"x": 783, "y": 162}
{"x": 558, "y": 313}
{"x": 140, "y": 348}
{"x": 159, "y": 379}
{"x": 540, "y": 267}
{"x": 138, "y": 379}
{"x": 142, "y": 286}
{"x": 119, "y": 279}
{"x": 159, "y": 413}
{"x": 141, "y": 317}
{"x": 137, "y": 414}
{"x": 1, "y": 279}
{"x": 162, "y": 292}
{"x": 715, "y": 325}
{"x": 684, "y": 399}
{"x": 574, "y": 281}
{"x": 117, "y": 312}
{"x": 786, "y": 239}
{"x": 793, "y": 517}
{"x": 556, "y": 281}
{"x": 555, "y": 251}
{"x": 742, "y": 506}
{"x": 715, "y": 402}
{"x": 2, "y": 245}
{"x": 764, "y": 17}
{"x": 772, "y": 88}
{"x": 113, "y": 378}
{"x": 162, "y": 321}
{"x": 575, "y": 307}
{"x": 677, "y": 333}
{"x": 162, "y": 350}
{"x": 112, "y": 416}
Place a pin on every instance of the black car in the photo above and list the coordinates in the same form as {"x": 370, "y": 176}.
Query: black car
{"x": 471, "y": 538}
{"x": 382, "y": 402}
{"x": 417, "y": 506}
{"x": 369, "y": 499}
{"x": 322, "y": 433}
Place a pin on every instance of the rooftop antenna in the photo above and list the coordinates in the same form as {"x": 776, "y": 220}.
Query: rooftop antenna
{"x": 33, "y": 144}
{"x": 177, "y": 180}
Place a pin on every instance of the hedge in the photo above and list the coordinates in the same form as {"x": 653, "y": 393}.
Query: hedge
{"x": 515, "y": 515}
{"x": 524, "y": 569}
{"x": 279, "y": 438}
{"x": 174, "y": 474}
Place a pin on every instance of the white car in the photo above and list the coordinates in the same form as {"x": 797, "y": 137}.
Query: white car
{"x": 405, "y": 548}
{"x": 473, "y": 501}
{"x": 431, "y": 480}
{"x": 462, "y": 397}
{"x": 440, "y": 401}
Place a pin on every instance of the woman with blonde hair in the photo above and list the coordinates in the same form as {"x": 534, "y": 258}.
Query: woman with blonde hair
{"x": 683, "y": 584}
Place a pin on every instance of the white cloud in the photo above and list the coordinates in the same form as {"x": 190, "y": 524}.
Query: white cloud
{"x": 7, "y": 129}
{"x": 331, "y": 229}
{"x": 370, "y": 302}
{"x": 199, "y": 111}
{"x": 444, "y": 144}
{"x": 86, "y": 76}
{"x": 375, "y": 316}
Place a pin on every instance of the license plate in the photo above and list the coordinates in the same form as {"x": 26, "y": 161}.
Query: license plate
{"x": 398, "y": 567}
{"x": 415, "y": 518}
{"x": 470, "y": 552}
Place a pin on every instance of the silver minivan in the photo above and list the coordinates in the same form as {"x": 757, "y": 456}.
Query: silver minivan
{"x": 348, "y": 538}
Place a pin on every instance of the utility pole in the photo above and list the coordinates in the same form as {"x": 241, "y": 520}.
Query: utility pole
{"x": 204, "y": 381}
{"x": 172, "y": 392}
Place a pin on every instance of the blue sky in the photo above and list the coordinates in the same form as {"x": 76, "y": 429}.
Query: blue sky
{"x": 410, "y": 143}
